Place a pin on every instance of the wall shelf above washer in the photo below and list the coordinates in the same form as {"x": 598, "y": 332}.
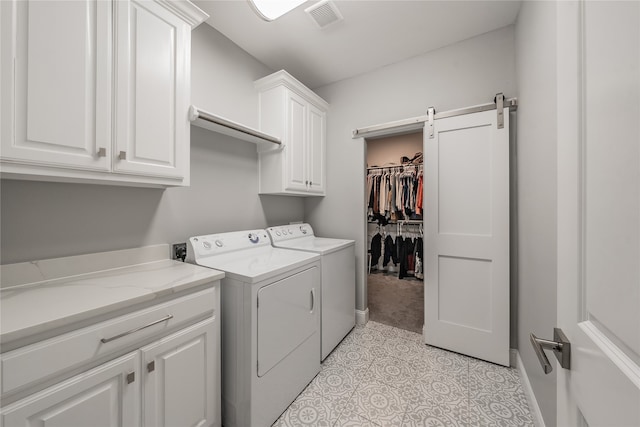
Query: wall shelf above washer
{"x": 228, "y": 127}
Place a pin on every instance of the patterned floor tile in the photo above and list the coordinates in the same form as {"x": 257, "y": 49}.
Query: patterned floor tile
{"x": 489, "y": 378}
{"x": 405, "y": 349}
{"x": 351, "y": 355}
{"x": 448, "y": 389}
{"x": 447, "y": 361}
{"x": 378, "y": 402}
{"x": 430, "y": 414}
{"x": 390, "y": 370}
{"x": 307, "y": 410}
{"x": 365, "y": 337}
{"x": 351, "y": 418}
{"x": 383, "y": 376}
{"x": 391, "y": 332}
{"x": 499, "y": 411}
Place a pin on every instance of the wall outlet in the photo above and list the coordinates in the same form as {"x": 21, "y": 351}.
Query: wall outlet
{"x": 179, "y": 251}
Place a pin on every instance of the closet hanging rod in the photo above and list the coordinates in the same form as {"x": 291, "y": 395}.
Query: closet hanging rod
{"x": 228, "y": 127}
{"x": 414, "y": 124}
{"x": 394, "y": 166}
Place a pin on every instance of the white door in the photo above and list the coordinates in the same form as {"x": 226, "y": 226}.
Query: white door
{"x": 105, "y": 396}
{"x": 182, "y": 377}
{"x": 295, "y": 144}
{"x": 288, "y": 315}
{"x": 316, "y": 150}
{"x": 599, "y": 212}
{"x": 57, "y": 57}
{"x": 152, "y": 130}
{"x": 466, "y": 213}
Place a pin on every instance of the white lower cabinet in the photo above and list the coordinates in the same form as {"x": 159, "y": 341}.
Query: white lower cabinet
{"x": 108, "y": 396}
{"x": 181, "y": 378}
{"x": 174, "y": 381}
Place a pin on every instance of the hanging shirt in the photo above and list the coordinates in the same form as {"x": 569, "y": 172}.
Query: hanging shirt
{"x": 376, "y": 248}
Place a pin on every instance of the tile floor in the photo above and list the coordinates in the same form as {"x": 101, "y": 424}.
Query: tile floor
{"x": 383, "y": 376}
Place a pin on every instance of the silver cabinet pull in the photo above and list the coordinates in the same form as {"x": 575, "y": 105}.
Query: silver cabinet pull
{"x": 102, "y": 152}
{"x": 560, "y": 346}
{"x": 313, "y": 299}
{"x": 124, "y": 334}
{"x": 122, "y": 155}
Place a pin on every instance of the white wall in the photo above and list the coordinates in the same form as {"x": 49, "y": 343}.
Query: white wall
{"x": 467, "y": 73}
{"x": 537, "y": 184}
{"x": 43, "y": 220}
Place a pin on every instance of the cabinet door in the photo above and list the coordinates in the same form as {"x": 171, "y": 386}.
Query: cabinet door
{"x": 182, "y": 378}
{"x": 295, "y": 143}
{"x": 152, "y": 90}
{"x": 104, "y": 396}
{"x": 56, "y": 83}
{"x": 316, "y": 150}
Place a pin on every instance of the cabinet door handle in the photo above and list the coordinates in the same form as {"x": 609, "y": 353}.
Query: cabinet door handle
{"x": 102, "y": 152}
{"x": 313, "y": 299}
{"x": 151, "y": 366}
{"x": 122, "y": 155}
{"x": 124, "y": 334}
{"x": 131, "y": 377}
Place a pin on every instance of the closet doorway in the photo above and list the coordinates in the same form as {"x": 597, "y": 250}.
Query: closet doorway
{"x": 395, "y": 286}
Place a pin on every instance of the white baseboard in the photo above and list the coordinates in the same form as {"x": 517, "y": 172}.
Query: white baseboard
{"x": 528, "y": 391}
{"x": 362, "y": 316}
{"x": 513, "y": 357}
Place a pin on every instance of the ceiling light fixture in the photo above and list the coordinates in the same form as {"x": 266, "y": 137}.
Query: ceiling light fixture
{"x": 270, "y": 10}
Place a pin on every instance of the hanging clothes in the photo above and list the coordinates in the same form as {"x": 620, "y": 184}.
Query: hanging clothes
{"x": 395, "y": 193}
{"x": 390, "y": 251}
{"x": 376, "y": 248}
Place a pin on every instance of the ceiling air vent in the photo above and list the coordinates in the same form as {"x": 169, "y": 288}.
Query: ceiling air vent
{"x": 324, "y": 13}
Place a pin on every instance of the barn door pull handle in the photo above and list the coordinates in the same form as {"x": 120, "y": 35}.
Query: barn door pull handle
{"x": 560, "y": 346}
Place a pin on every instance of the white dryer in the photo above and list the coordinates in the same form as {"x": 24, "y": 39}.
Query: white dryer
{"x": 270, "y": 322}
{"x": 338, "y": 288}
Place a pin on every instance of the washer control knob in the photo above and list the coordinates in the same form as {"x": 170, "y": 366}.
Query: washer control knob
{"x": 278, "y": 233}
{"x": 254, "y": 238}
{"x": 303, "y": 229}
{"x": 290, "y": 231}
{"x": 284, "y": 232}
{"x": 219, "y": 243}
{"x": 207, "y": 245}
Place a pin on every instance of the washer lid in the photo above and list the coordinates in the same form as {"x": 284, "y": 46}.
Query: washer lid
{"x": 259, "y": 263}
{"x": 319, "y": 245}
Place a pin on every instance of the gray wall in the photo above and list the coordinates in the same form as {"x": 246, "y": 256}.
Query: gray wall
{"x": 44, "y": 220}
{"x": 466, "y": 73}
{"x": 537, "y": 189}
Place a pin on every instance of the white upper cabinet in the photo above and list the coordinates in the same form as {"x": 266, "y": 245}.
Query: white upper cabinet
{"x": 296, "y": 115}
{"x": 56, "y": 83}
{"x": 96, "y": 91}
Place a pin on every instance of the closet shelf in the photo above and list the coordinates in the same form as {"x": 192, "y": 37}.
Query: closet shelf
{"x": 228, "y": 127}
{"x": 402, "y": 221}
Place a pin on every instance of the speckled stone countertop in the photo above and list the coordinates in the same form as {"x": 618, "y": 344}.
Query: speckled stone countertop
{"x": 39, "y": 296}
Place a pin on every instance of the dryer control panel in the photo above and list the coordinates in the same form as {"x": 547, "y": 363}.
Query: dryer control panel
{"x": 291, "y": 231}
{"x": 204, "y": 246}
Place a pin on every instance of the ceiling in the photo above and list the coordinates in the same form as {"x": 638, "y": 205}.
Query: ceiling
{"x": 373, "y": 33}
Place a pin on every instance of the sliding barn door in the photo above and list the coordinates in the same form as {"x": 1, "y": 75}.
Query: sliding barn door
{"x": 466, "y": 216}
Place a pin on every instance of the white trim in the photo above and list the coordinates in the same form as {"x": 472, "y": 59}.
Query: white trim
{"x": 362, "y": 316}
{"x": 528, "y": 391}
{"x": 513, "y": 357}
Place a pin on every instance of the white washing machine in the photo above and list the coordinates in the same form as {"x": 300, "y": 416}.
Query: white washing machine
{"x": 338, "y": 284}
{"x": 270, "y": 322}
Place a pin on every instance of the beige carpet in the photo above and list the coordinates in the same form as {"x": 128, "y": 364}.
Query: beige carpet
{"x": 396, "y": 302}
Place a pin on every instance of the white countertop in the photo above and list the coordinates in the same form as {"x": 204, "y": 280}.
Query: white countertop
{"x": 40, "y": 296}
